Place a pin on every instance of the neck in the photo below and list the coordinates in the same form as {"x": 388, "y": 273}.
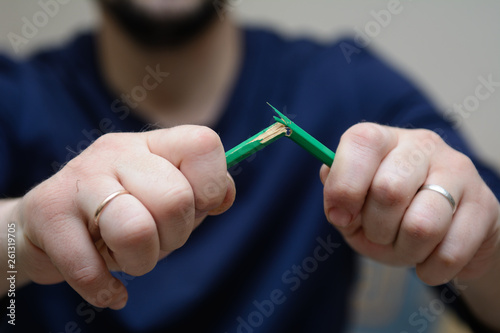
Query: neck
{"x": 189, "y": 85}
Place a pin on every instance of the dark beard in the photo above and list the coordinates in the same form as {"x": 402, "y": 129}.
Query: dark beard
{"x": 157, "y": 32}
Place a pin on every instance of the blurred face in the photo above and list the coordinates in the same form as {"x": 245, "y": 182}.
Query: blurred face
{"x": 162, "y": 23}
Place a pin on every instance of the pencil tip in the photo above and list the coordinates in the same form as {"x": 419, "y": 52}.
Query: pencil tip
{"x": 285, "y": 120}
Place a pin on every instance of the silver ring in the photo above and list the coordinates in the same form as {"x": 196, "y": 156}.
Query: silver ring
{"x": 443, "y": 192}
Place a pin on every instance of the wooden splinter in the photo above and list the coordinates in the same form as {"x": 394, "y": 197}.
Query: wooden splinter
{"x": 282, "y": 127}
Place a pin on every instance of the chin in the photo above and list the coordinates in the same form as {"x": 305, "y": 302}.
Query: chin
{"x": 162, "y": 24}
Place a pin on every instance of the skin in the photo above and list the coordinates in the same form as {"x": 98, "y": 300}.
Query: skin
{"x": 176, "y": 177}
{"x": 202, "y": 73}
{"x": 371, "y": 196}
{"x": 370, "y": 193}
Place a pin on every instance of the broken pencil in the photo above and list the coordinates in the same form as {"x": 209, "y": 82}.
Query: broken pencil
{"x": 282, "y": 127}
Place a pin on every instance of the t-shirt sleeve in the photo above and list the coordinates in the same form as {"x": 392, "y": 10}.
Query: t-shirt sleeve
{"x": 5, "y": 160}
{"x": 9, "y": 102}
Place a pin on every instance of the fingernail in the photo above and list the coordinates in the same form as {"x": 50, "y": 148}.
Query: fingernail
{"x": 339, "y": 217}
{"x": 323, "y": 173}
{"x": 120, "y": 304}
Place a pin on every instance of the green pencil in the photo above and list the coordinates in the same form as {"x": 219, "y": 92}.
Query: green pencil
{"x": 282, "y": 127}
{"x": 255, "y": 143}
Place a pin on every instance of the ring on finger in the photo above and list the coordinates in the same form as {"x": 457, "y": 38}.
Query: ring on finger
{"x": 443, "y": 192}
{"x": 104, "y": 203}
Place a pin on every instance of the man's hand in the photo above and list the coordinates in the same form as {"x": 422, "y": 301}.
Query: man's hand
{"x": 372, "y": 196}
{"x": 176, "y": 177}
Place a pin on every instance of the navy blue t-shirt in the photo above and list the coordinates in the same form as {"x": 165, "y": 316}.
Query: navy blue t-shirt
{"x": 272, "y": 263}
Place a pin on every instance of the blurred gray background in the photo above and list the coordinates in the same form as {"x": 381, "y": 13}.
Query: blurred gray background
{"x": 444, "y": 46}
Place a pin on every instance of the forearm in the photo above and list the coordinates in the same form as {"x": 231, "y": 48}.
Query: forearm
{"x": 11, "y": 241}
{"x": 483, "y": 295}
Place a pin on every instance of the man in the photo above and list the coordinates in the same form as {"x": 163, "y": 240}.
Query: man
{"x": 271, "y": 263}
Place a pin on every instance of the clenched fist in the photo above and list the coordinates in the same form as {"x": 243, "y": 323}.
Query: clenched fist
{"x": 174, "y": 178}
{"x": 372, "y": 196}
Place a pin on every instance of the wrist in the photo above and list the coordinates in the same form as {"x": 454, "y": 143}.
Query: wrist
{"x": 12, "y": 243}
{"x": 483, "y": 294}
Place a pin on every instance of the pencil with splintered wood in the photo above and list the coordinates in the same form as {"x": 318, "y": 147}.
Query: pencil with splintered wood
{"x": 282, "y": 127}
{"x": 305, "y": 140}
{"x": 255, "y": 143}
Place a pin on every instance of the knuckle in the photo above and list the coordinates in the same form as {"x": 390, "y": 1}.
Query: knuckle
{"x": 428, "y": 135}
{"x": 366, "y": 135}
{"x": 180, "y": 230}
{"x": 452, "y": 260}
{"x": 204, "y": 140}
{"x": 182, "y": 197}
{"x": 107, "y": 140}
{"x": 136, "y": 231}
{"x": 492, "y": 205}
{"x": 176, "y": 199}
{"x": 137, "y": 235}
{"x": 87, "y": 278}
{"x": 463, "y": 164}
{"x": 180, "y": 219}
{"x": 443, "y": 268}
{"x": 389, "y": 190}
{"x": 212, "y": 194}
{"x": 104, "y": 142}
{"x": 76, "y": 166}
{"x": 421, "y": 228}
{"x": 111, "y": 142}
{"x": 181, "y": 239}
{"x": 341, "y": 192}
